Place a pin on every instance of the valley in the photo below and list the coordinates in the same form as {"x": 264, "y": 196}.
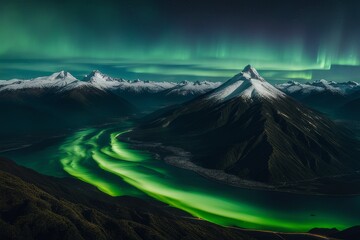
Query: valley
{"x": 96, "y": 157}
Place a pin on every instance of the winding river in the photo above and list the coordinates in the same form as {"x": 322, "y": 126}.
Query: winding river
{"x": 95, "y": 156}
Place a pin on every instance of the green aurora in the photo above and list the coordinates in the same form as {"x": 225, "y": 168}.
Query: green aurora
{"x": 159, "y": 40}
{"x": 98, "y": 158}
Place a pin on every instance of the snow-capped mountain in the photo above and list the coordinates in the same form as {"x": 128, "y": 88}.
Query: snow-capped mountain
{"x": 34, "y": 105}
{"x": 65, "y": 81}
{"x": 55, "y": 80}
{"x": 146, "y": 95}
{"x": 55, "y": 103}
{"x": 138, "y": 86}
{"x": 338, "y": 100}
{"x": 293, "y": 88}
{"x": 248, "y": 85}
{"x": 248, "y": 128}
{"x": 186, "y": 88}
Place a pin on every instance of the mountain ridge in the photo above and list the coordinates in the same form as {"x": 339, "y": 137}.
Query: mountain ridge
{"x": 99, "y": 80}
{"x": 268, "y": 139}
{"x": 338, "y": 100}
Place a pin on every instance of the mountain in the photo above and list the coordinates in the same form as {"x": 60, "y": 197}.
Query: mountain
{"x": 145, "y": 95}
{"x": 65, "y": 81}
{"x": 248, "y": 128}
{"x": 56, "y": 80}
{"x": 103, "y": 81}
{"x": 343, "y": 88}
{"x": 34, "y": 206}
{"x": 52, "y": 104}
{"x": 150, "y": 95}
{"x": 185, "y": 88}
{"x": 338, "y": 100}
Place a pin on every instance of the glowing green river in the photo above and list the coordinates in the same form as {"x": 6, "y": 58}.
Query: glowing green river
{"x": 96, "y": 156}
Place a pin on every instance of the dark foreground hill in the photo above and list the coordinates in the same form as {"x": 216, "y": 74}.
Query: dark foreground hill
{"x": 34, "y": 206}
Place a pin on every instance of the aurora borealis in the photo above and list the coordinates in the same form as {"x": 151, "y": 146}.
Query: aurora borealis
{"x": 177, "y": 40}
{"x": 246, "y": 156}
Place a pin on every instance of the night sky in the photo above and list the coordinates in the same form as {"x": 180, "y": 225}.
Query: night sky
{"x": 177, "y": 40}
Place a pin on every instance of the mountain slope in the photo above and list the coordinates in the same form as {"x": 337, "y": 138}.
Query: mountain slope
{"x": 249, "y": 128}
{"x": 52, "y": 104}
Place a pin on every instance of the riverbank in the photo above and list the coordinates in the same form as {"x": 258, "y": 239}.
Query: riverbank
{"x": 333, "y": 185}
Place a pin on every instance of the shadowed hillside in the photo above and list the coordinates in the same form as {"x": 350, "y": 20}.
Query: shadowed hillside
{"x": 34, "y": 206}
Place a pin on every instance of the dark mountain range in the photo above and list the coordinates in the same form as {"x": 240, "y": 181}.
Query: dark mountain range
{"x": 145, "y": 95}
{"x": 250, "y": 129}
{"x": 337, "y": 100}
{"x": 56, "y": 103}
{"x": 51, "y": 104}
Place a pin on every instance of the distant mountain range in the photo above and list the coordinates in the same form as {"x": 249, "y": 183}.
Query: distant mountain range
{"x": 52, "y": 104}
{"x": 60, "y": 101}
{"x": 34, "y": 105}
{"x": 344, "y": 88}
{"x": 338, "y": 100}
{"x": 248, "y": 128}
{"x": 64, "y": 81}
{"x": 144, "y": 94}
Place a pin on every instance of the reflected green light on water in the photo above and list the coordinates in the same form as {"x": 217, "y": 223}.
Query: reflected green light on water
{"x": 75, "y": 154}
{"x": 93, "y": 149}
{"x": 120, "y": 150}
